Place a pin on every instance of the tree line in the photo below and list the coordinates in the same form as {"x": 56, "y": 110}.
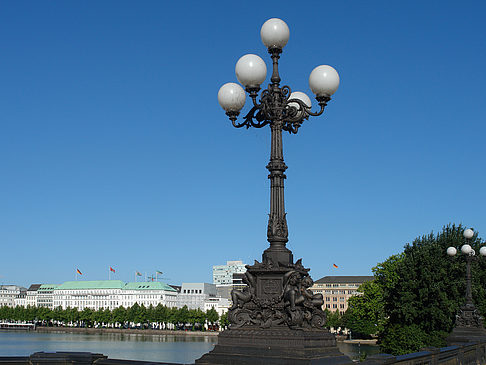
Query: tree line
{"x": 139, "y": 316}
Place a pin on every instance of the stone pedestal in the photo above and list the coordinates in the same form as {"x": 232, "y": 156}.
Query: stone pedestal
{"x": 275, "y": 346}
{"x": 276, "y": 320}
{"x": 464, "y": 335}
{"x": 468, "y": 327}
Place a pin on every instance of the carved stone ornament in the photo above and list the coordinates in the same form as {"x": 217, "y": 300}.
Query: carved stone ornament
{"x": 277, "y": 296}
{"x": 277, "y": 226}
{"x": 469, "y": 317}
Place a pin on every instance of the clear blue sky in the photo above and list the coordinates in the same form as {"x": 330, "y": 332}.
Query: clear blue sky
{"x": 115, "y": 152}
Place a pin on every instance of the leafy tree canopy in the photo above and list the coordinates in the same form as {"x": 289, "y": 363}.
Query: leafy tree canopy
{"x": 423, "y": 288}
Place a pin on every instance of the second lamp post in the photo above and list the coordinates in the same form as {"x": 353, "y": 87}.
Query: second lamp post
{"x": 469, "y": 323}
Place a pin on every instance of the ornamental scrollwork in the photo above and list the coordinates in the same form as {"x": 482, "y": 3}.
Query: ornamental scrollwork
{"x": 275, "y": 106}
{"x": 469, "y": 317}
{"x": 285, "y": 299}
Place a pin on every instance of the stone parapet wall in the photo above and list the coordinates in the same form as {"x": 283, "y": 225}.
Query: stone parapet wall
{"x": 467, "y": 354}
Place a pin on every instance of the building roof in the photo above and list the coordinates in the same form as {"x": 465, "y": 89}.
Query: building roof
{"x": 34, "y": 287}
{"x": 149, "y": 285}
{"x": 177, "y": 288}
{"x": 47, "y": 287}
{"x": 344, "y": 279}
{"x": 93, "y": 284}
{"x": 11, "y": 287}
{"x": 114, "y": 284}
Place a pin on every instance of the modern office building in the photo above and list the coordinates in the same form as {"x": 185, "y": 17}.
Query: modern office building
{"x": 194, "y": 295}
{"x": 223, "y": 274}
{"x": 336, "y": 290}
{"x": 224, "y": 291}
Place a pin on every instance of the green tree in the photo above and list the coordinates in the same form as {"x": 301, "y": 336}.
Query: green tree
{"x": 86, "y": 316}
{"x": 161, "y": 314}
{"x": 120, "y": 315}
{"x": 182, "y": 316}
{"x": 212, "y": 317}
{"x": 223, "y": 320}
{"x": 333, "y": 319}
{"x": 423, "y": 290}
{"x": 365, "y": 315}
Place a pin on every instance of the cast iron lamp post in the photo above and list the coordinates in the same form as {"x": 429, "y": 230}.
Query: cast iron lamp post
{"x": 280, "y": 108}
{"x": 469, "y": 323}
{"x": 276, "y": 319}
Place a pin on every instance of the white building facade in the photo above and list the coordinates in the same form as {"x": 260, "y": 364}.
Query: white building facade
{"x": 31, "y": 295}
{"x": 194, "y": 295}
{"x": 111, "y": 294}
{"x": 221, "y": 305}
{"x": 45, "y": 295}
{"x": 9, "y": 295}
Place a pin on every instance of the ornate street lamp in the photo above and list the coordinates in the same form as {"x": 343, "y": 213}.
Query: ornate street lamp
{"x": 469, "y": 323}
{"x": 276, "y": 316}
{"x": 282, "y": 110}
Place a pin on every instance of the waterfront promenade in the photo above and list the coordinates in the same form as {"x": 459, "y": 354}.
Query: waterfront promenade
{"x": 148, "y": 332}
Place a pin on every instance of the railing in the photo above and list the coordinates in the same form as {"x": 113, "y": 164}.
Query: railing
{"x": 468, "y": 354}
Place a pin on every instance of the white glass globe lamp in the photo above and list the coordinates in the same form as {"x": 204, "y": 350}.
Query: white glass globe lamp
{"x": 482, "y": 251}
{"x": 324, "y": 80}
{"x": 468, "y": 233}
{"x": 275, "y": 33}
{"x": 300, "y": 96}
{"x": 466, "y": 249}
{"x": 231, "y": 97}
{"x": 451, "y": 251}
{"x": 251, "y": 71}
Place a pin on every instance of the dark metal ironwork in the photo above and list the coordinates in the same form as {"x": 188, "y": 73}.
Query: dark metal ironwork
{"x": 278, "y": 290}
{"x": 468, "y": 315}
{"x": 276, "y": 319}
{"x": 468, "y": 325}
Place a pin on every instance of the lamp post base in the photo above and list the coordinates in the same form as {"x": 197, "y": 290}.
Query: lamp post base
{"x": 275, "y": 346}
{"x": 463, "y": 335}
{"x": 468, "y": 327}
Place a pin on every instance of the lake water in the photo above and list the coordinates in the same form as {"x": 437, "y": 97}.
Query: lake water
{"x": 163, "y": 348}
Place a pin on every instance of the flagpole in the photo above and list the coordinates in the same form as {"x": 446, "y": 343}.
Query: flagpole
{"x": 109, "y": 273}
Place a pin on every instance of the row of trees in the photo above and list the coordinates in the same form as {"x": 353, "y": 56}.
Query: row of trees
{"x": 137, "y": 315}
{"x": 414, "y": 297}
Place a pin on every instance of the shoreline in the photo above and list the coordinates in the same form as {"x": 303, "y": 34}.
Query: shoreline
{"x": 126, "y": 331}
{"x": 162, "y": 332}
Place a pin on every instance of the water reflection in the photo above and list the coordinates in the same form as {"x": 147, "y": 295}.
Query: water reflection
{"x": 182, "y": 349}
{"x": 358, "y": 351}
